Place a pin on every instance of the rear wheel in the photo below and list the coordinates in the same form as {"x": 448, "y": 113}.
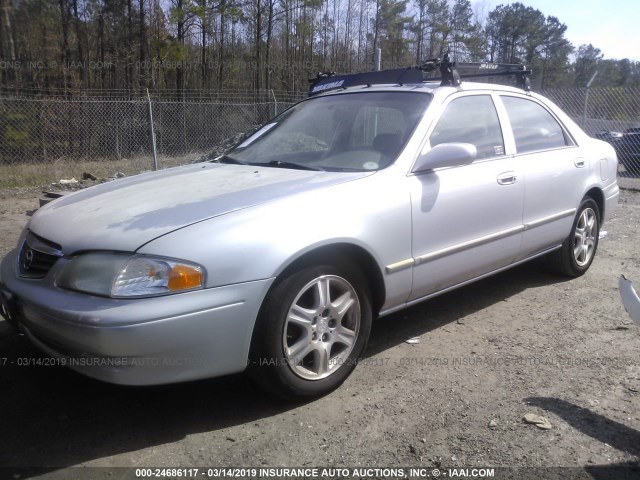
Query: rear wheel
{"x": 578, "y": 250}
{"x": 311, "y": 331}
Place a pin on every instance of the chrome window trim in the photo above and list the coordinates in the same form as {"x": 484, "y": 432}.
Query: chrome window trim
{"x": 425, "y": 143}
{"x": 565, "y": 130}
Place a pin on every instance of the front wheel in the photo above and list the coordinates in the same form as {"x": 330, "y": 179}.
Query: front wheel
{"x": 578, "y": 250}
{"x": 311, "y": 331}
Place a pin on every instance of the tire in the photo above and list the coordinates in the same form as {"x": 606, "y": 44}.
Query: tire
{"x": 311, "y": 330}
{"x": 578, "y": 250}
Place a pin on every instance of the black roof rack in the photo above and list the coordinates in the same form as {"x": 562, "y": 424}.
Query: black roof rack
{"x": 325, "y": 81}
{"x": 451, "y": 74}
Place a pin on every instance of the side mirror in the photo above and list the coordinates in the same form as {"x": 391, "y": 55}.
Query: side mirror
{"x": 446, "y": 155}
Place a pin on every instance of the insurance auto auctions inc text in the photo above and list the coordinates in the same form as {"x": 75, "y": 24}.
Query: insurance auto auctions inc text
{"x": 332, "y": 473}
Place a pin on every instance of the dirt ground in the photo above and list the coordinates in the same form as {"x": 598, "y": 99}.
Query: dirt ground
{"x": 524, "y": 341}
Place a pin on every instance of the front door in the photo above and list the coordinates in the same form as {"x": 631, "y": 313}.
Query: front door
{"x": 467, "y": 220}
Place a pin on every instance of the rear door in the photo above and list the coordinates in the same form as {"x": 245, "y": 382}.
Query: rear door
{"x": 553, "y": 168}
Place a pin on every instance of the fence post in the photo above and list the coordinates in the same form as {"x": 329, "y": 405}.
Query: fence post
{"x": 377, "y": 59}
{"x": 584, "y": 109}
{"x": 586, "y": 100}
{"x": 153, "y": 133}
{"x": 275, "y": 104}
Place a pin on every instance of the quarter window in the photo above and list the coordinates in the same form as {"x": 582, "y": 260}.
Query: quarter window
{"x": 534, "y": 128}
{"x": 471, "y": 119}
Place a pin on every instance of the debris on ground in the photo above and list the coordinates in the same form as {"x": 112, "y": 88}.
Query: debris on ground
{"x": 224, "y": 146}
{"x": 88, "y": 180}
{"x": 537, "y": 420}
{"x": 47, "y": 197}
{"x": 68, "y": 181}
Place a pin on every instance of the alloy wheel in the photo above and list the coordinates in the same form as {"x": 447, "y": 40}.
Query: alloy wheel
{"x": 585, "y": 237}
{"x": 321, "y": 327}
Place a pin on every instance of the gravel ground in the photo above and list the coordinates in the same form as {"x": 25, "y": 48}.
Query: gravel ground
{"x": 524, "y": 341}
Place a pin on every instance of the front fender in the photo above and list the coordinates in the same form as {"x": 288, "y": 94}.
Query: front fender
{"x": 260, "y": 242}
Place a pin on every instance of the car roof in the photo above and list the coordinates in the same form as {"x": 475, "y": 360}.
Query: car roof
{"x": 424, "y": 87}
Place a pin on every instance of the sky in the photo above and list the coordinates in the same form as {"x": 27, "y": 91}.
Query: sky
{"x": 613, "y": 26}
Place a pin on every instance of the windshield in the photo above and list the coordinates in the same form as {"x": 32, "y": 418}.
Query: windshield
{"x": 348, "y": 132}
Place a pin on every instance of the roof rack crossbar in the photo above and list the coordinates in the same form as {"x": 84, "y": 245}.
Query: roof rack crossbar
{"x": 451, "y": 76}
{"x": 486, "y": 69}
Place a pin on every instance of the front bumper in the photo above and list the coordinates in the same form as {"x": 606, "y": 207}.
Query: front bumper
{"x": 147, "y": 341}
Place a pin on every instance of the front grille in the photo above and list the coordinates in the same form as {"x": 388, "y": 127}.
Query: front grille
{"x": 37, "y": 256}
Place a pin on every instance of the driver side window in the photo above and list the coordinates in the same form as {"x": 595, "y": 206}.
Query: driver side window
{"x": 474, "y": 120}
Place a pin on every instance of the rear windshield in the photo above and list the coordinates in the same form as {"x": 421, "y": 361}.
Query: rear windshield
{"x": 350, "y": 132}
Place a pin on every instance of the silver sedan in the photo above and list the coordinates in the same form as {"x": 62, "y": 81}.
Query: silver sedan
{"x": 277, "y": 256}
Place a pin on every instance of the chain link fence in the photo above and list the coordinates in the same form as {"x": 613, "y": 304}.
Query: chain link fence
{"x": 45, "y": 139}
{"x": 612, "y": 115}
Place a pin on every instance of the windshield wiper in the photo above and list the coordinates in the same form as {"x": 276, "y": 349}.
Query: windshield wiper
{"x": 228, "y": 159}
{"x": 279, "y": 164}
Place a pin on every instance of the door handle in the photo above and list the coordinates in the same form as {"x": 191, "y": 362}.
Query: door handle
{"x": 507, "y": 178}
{"x": 579, "y": 162}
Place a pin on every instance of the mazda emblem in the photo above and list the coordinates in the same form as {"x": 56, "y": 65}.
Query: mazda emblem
{"x": 28, "y": 259}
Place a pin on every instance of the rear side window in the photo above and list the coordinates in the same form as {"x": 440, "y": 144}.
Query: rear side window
{"x": 471, "y": 119}
{"x": 534, "y": 128}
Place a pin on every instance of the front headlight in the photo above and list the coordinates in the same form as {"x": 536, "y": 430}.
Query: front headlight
{"x": 120, "y": 275}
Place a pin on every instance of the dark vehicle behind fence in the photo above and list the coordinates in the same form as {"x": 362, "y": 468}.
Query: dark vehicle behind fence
{"x": 628, "y": 149}
{"x": 608, "y": 136}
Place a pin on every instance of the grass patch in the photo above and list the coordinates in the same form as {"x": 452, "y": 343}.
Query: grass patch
{"x": 42, "y": 174}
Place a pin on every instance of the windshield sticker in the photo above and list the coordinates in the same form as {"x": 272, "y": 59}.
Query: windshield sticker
{"x": 499, "y": 150}
{"x": 257, "y": 135}
{"x": 370, "y": 166}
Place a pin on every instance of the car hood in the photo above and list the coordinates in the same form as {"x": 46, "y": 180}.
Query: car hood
{"x": 125, "y": 214}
